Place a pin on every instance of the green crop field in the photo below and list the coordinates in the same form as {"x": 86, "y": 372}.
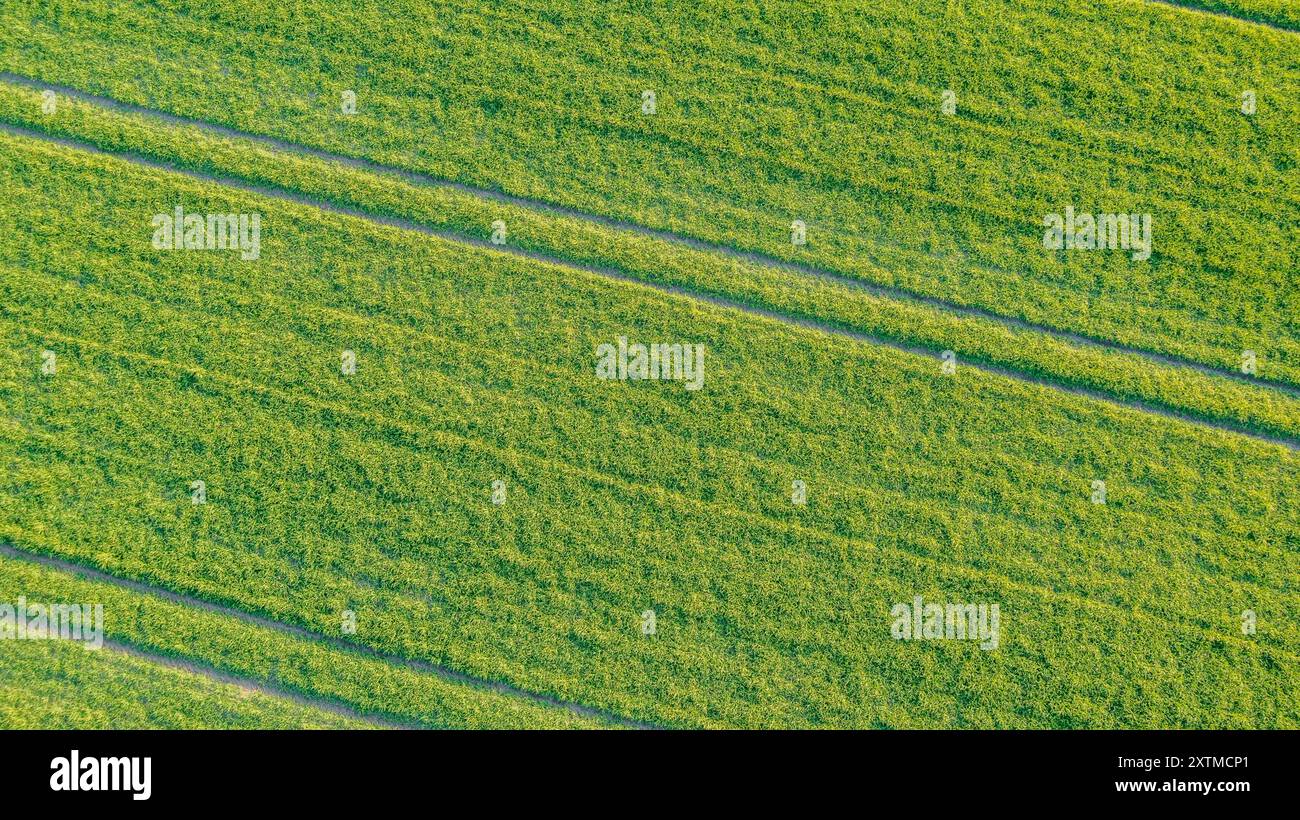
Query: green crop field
{"x": 1281, "y": 13}
{"x": 363, "y": 441}
{"x": 57, "y": 686}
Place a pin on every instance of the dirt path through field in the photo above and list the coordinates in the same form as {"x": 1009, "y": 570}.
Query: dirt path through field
{"x": 249, "y": 685}
{"x": 618, "y": 275}
{"x": 416, "y": 178}
{"x": 10, "y": 551}
{"x": 1225, "y": 14}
